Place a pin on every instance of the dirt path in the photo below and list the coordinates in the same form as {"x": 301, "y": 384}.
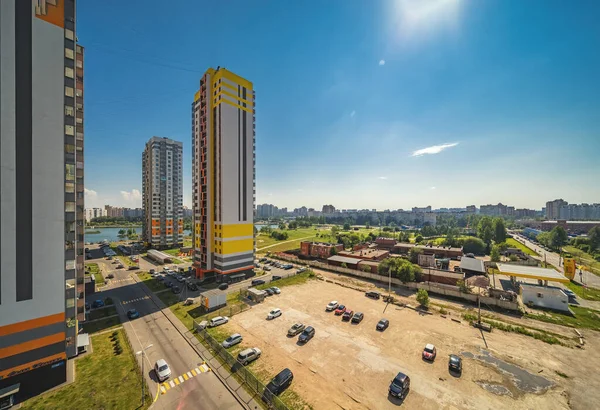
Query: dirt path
{"x": 280, "y": 243}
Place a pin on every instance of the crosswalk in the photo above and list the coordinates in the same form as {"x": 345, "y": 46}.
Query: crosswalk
{"x": 166, "y": 386}
{"x": 125, "y": 302}
{"x": 120, "y": 280}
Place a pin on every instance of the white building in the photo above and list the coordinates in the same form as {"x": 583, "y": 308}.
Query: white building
{"x": 91, "y": 213}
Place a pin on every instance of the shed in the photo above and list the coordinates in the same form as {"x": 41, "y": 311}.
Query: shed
{"x": 532, "y": 272}
{"x": 472, "y": 266}
{"x": 338, "y": 260}
{"x": 549, "y": 297}
{"x": 83, "y": 341}
{"x": 256, "y": 295}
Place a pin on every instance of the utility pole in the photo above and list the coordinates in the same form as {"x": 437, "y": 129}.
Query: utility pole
{"x": 143, "y": 353}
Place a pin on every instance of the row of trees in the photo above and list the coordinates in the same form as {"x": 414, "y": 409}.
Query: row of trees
{"x": 555, "y": 239}
{"x": 118, "y": 220}
{"x": 400, "y": 268}
{"x": 130, "y": 233}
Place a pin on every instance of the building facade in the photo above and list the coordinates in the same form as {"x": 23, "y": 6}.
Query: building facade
{"x": 162, "y": 193}
{"x": 223, "y": 146}
{"x": 41, "y": 177}
{"x": 91, "y": 213}
{"x": 320, "y": 249}
{"x": 553, "y": 208}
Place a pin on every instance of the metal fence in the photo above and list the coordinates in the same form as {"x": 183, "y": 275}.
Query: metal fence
{"x": 228, "y": 311}
{"x": 242, "y": 374}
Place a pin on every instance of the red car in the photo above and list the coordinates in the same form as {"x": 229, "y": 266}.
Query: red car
{"x": 340, "y": 310}
{"x": 348, "y": 315}
{"x": 429, "y": 352}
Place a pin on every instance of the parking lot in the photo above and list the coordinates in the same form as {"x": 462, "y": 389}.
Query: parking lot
{"x": 351, "y": 365}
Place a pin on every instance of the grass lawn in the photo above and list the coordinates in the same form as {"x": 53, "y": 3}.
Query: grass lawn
{"x": 152, "y": 283}
{"x": 584, "y": 318}
{"x": 102, "y": 312}
{"x": 585, "y": 259}
{"x": 587, "y": 293}
{"x": 105, "y": 380}
{"x": 298, "y": 279}
{"x": 102, "y": 324}
{"x": 95, "y": 270}
{"x": 263, "y": 240}
{"x": 513, "y": 243}
{"x": 288, "y": 246}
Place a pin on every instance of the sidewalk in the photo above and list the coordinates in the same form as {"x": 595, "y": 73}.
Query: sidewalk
{"x": 222, "y": 374}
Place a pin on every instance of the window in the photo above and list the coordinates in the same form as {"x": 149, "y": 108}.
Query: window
{"x": 69, "y": 149}
{"x": 69, "y": 172}
{"x": 69, "y": 283}
{"x": 69, "y": 130}
{"x": 69, "y": 91}
{"x": 69, "y": 72}
{"x": 70, "y": 304}
{"x": 69, "y": 53}
{"x": 69, "y": 34}
{"x": 79, "y": 64}
{"x": 69, "y": 206}
{"x": 69, "y": 187}
{"x": 70, "y": 227}
{"x": 70, "y": 264}
{"x": 78, "y": 49}
{"x": 69, "y": 111}
{"x": 540, "y": 295}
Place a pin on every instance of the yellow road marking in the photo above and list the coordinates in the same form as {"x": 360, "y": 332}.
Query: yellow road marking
{"x": 177, "y": 381}
{"x": 185, "y": 376}
{"x": 194, "y": 373}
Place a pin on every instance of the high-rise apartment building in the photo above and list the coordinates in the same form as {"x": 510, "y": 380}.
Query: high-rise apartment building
{"x": 553, "y": 208}
{"x": 91, "y": 213}
{"x": 223, "y": 175}
{"x": 41, "y": 177}
{"x": 162, "y": 193}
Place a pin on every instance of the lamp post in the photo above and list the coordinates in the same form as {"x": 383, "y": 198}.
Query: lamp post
{"x": 143, "y": 354}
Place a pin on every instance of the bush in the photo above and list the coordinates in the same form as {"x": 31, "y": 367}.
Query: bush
{"x": 423, "y": 297}
{"x": 108, "y": 301}
{"x": 462, "y": 285}
{"x": 474, "y": 245}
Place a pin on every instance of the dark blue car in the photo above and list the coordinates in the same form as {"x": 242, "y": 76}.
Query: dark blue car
{"x": 98, "y": 303}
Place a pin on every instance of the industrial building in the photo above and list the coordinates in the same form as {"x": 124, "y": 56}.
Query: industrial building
{"x": 42, "y": 290}
{"x": 162, "y": 193}
{"x": 223, "y": 175}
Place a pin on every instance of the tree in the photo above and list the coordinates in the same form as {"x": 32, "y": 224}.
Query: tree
{"x": 474, "y": 245}
{"x": 558, "y": 237}
{"x": 423, "y": 297}
{"x": 365, "y": 268}
{"x": 413, "y": 254}
{"x": 419, "y": 239}
{"x": 122, "y": 233}
{"x": 485, "y": 229}
{"x": 346, "y": 226}
{"x": 400, "y": 268}
{"x": 495, "y": 254}
{"x": 293, "y": 225}
{"x": 282, "y": 226}
{"x": 335, "y": 230}
{"x": 499, "y": 230}
{"x": 594, "y": 238}
{"x": 367, "y": 225}
{"x": 463, "y": 286}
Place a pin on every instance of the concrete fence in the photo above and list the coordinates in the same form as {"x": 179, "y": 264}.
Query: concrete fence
{"x": 437, "y": 288}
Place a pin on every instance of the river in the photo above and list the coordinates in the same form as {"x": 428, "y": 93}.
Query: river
{"x": 112, "y": 234}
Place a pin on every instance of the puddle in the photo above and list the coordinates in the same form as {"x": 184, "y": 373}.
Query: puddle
{"x": 523, "y": 380}
{"x": 495, "y": 388}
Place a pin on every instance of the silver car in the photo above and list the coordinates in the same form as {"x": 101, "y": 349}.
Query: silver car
{"x": 232, "y": 340}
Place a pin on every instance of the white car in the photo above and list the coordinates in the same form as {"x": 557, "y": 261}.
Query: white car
{"x": 332, "y": 305}
{"x": 276, "y": 290}
{"x": 217, "y": 321}
{"x": 163, "y": 372}
{"x": 232, "y": 340}
{"x": 273, "y": 314}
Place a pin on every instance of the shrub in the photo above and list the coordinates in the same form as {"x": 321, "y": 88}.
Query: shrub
{"x": 474, "y": 245}
{"x": 423, "y": 297}
{"x": 108, "y": 301}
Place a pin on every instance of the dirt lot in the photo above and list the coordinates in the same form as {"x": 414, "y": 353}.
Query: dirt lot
{"x": 351, "y": 365}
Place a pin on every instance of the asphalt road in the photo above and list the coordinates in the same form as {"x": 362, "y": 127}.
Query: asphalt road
{"x": 191, "y": 389}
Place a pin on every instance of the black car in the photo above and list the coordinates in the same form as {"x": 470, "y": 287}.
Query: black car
{"x": 192, "y": 286}
{"x": 257, "y": 282}
{"x": 223, "y": 286}
{"x": 373, "y": 295}
{"x": 275, "y": 277}
{"x": 269, "y": 292}
{"x": 400, "y": 386}
{"x": 110, "y": 276}
{"x": 455, "y": 363}
{"x": 383, "y": 324}
{"x": 307, "y": 334}
{"x": 280, "y": 382}
{"x": 134, "y": 268}
{"x": 176, "y": 289}
{"x": 262, "y": 260}
{"x": 358, "y": 317}
{"x": 168, "y": 284}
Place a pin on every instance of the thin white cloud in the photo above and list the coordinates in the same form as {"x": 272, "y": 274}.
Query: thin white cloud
{"x": 133, "y": 198}
{"x": 353, "y": 113}
{"x": 381, "y": 62}
{"x": 432, "y": 187}
{"x": 382, "y": 178}
{"x": 416, "y": 20}
{"x": 435, "y": 149}
{"x": 90, "y": 193}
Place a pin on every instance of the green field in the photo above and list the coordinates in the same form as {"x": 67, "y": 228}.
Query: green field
{"x": 95, "y": 270}
{"x": 101, "y": 324}
{"x": 102, "y": 312}
{"x": 105, "y": 380}
{"x": 584, "y": 258}
{"x": 584, "y": 318}
{"x": 264, "y": 240}
{"x": 513, "y": 243}
{"x": 587, "y": 293}
{"x": 298, "y": 279}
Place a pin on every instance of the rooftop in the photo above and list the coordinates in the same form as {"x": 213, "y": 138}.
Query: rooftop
{"x": 532, "y": 272}
{"x": 412, "y": 245}
{"x": 472, "y": 264}
{"x": 572, "y": 222}
{"x": 367, "y": 253}
{"x": 343, "y": 259}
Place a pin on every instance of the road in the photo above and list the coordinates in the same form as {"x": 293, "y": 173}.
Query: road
{"x": 190, "y": 386}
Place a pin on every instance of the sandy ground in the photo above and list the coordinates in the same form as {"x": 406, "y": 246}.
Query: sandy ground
{"x": 350, "y": 366}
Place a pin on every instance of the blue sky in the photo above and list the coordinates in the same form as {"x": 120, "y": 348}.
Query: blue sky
{"x": 361, "y": 104}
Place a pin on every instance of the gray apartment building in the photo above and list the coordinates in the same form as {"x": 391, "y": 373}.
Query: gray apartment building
{"x": 162, "y": 196}
{"x": 41, "y": 179}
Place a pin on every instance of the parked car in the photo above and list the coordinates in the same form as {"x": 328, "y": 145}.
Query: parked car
{"x": 132, "y": 314}
{"x": 248, "y": 355}
{"x": 152, "y": 271}
{"x": 340, "y": 310}
{"x": 331, "y": 306}
{"x": 358, "y": 317}
{"x": 223, "y": 286}
{"x": 176, "y": 289}
{"x": 276, "y": 290}
{"x": 347, "y": 314}
{"x": 257, "y": 282}
{"x": 275, "y": 277}
{"x": 232, "y": 340}
{"x": 180, "y": 278}
{"x": 307, "y": 334}
{"x": 168, "y": 284}
{"x": 266, "y": 268}
{"x": 400, "y": 386}
{"x": 301, "y": 270}
{"x": 373, "y": 295}
{"x": 262, "y": 260}
{"x": 87, "y": 307}
{"x": 217, "y": 321}
{"x": 570, "y": 294}
{"x": 280, "y": 382}
{"x": 382, "y": 324}
{"x": 274, "y": 313}
{"x": 98, "y": 303}
{"x": 429, "y": 352}
{"x": 269, "y": 292}
{"x": 192, "y": 286}
{"x": 120, "y": 266}
{"x": 162, "y": 370}
{"x": 110, "y": 276}
{"x": 134, "y": 267}
{"x": 455, "y": 363}
{"x": 295, "y": 329}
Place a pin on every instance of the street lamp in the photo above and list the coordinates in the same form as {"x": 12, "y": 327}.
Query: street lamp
{"x": 143, "y": 353}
